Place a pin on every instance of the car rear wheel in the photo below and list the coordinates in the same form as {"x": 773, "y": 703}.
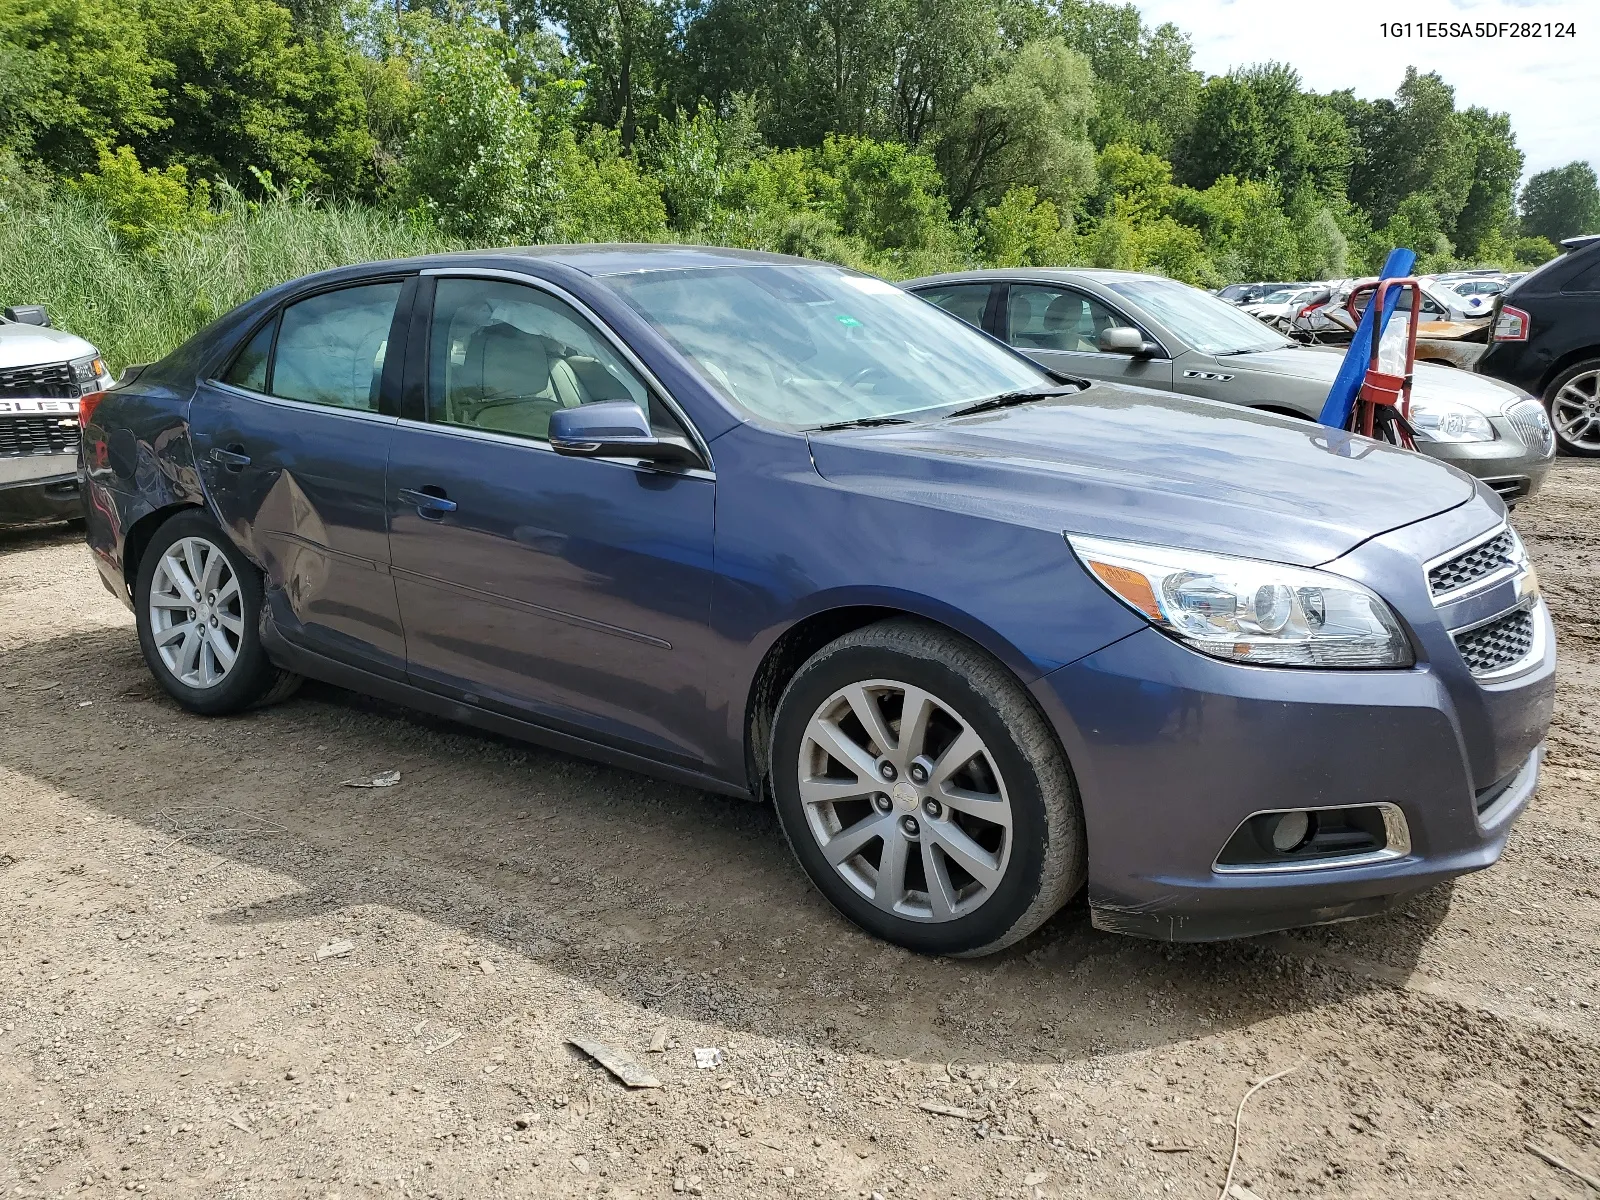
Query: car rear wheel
{"x": 923, "y": 792}
{"x": 1573, "y": 401}
{"x": 197, "y": 603}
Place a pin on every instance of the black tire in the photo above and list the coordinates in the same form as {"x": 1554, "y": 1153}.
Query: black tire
{"x": 253, "y": 679}
{"x": 1047, "y": 863}
{"x": 1587, "y": 367}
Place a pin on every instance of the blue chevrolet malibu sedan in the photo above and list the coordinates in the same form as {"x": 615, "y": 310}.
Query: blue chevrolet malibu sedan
{"x": 984, "y": 634}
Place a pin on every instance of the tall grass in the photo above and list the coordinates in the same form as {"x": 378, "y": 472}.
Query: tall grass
{"x": 136, "y": 305}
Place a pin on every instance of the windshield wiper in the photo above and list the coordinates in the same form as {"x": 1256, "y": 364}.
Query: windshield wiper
{"x": 861, "y": 423}
{"x": 1010, "y": 400}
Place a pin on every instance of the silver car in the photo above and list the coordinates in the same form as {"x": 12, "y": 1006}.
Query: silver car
{"x": 1158, "y": 333}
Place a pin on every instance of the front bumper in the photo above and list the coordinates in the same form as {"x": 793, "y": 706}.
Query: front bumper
{"x": 1173, "y": 750}
{"x": 39, "y": 487}
{"x": 1506, "y": 464}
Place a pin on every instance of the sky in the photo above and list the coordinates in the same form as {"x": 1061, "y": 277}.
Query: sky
{"x": 1551, "y": 88}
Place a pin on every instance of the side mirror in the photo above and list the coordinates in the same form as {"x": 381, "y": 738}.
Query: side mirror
{"x": 1124, "y": 339}
{"x": 615, "y": 429}
{"x": 28, "y": 314}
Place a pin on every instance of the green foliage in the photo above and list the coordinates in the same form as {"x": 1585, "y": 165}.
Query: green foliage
{"x": 1561, "y": 203}
{"x": 1025, "y": 231}
{"x": 136, "y": 305}
{"x": 142, "y": 205}
{"x": 1027, "y": 127}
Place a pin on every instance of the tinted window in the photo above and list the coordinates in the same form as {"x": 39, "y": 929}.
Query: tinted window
{"x": 1046, "y": 318}
{"x": 249, "y": 369}
{"x": 1203, "y": 321}
{"x": 1587, "y": 279}
{"x": 503, "y": 357}
{"x": 810, "y": 345}
{"x": 331, "y": 347}
{"x": 964, "y": 300}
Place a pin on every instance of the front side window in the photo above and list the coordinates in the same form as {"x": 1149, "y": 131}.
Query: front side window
{"x": 503, "y": 356}
{"x": 331, "y": 347}
{"x": 813, "y": 345}
{"x": 1052, "y": 318}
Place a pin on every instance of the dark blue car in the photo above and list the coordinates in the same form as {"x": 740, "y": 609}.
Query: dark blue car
{"x": 773, "y": 528}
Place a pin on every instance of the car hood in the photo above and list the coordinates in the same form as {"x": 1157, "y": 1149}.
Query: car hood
{"x": 1129, "y": 463}
{"x": 31, "y": 345}
{"x": 1439, "y": 385}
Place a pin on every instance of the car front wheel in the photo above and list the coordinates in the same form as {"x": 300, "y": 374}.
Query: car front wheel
{"x": 923, "y": 792}
{"x": 197, "y": 602}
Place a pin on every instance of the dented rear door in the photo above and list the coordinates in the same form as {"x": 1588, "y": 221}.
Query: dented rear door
{"x": 292, "y": 442}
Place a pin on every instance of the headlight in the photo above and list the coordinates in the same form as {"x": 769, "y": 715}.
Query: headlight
{"x": 1249, "y": 611}
{"x": 1436, "y": 422}
{"x": 88, "y": 370}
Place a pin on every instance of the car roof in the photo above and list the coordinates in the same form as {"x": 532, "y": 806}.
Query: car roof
{"x": 1064, "y": 274}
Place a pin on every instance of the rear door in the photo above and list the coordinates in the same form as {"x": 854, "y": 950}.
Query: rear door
{"x": 1058, "y": 327}
{"x": 568, "y": 591}
{"x": 292, "y": 443}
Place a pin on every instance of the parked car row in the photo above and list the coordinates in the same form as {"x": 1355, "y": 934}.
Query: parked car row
{"x": 986, "y": 607}
{"x": 1158, "y": 333}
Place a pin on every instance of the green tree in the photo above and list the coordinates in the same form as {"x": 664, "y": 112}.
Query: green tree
{"x": 86, "y": 73}
{"x": 1561, "y": 203}
{"x": 142, "y": 204}
{"x": 1025, "y": 231}
{"x": 1028, "y": 127}
{"x": 1486, "y": 216}
{"x": 1145, "y": 88}
{"x": 1229, "y": 137}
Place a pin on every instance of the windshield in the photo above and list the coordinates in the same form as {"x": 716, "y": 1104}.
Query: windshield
{"x": 1203, "y": 321}
{"x": 1277, "y": 298}
{"x": 809, "y": 346}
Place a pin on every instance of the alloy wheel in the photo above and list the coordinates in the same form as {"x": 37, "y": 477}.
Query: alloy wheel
{"x": 196, "y": 613}
{"x": 1575, "y": 411}
{"x": 905, "y": 801}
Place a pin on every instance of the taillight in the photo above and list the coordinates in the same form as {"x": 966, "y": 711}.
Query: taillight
{"x": 86, "y": 407}
{"x": 1511, "y": 325}
{"x": 1310, "y": 308}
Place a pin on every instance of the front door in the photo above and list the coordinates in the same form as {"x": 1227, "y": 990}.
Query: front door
{"x": 292, "y": 445}
{"x": 572, "y": 592}
{"x": 1059, "y": 327}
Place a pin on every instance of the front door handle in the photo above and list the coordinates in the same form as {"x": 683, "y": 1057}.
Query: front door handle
{"x": 233, "y": 458}
{"x": 430, "y": 502}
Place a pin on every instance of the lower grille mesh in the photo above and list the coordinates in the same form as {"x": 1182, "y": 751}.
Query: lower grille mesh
{"x": 1500, "y": 643}
{"x": 34, "y": 434}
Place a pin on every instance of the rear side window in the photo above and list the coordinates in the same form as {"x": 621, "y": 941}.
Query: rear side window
{"x": 1587, "y": 279}
{"x": 249, "y": 369}
{"x": 964, "y": 300}
{"x": 331, "y": 347}
{"x": 1047, "y": 318}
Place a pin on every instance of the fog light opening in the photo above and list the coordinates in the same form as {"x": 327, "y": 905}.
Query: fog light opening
{"x": 1292, "y": 830}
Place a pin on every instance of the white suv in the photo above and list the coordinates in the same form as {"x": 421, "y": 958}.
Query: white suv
{"x": 43, "y": 373}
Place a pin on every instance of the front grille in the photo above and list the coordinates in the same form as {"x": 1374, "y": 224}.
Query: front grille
{"x": 1532, "y": 426}
{"x": 1497, "y": 644}
{"x": 50, "y": 381}
{"x": 1483, "y": 559}
{"x": 32, "y": 434}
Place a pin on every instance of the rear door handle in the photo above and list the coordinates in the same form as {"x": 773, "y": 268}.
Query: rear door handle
{"x": 431, "y": 504}
{"x": 231, "y": 458}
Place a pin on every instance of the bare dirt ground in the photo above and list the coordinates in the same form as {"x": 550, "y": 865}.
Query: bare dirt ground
{"x": 167, "y": 1028}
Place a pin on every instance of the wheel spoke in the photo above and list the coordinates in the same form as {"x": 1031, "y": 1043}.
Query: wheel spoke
{"x": 865, "y": 707}
{"x": 231, "y": 623}
{"x": 194, "y": 560}
{"x": 974, "y": 859}
{"x": 221, "y": 651}
{"x": 189, "y": 655}
{"x": 227, "y": 591}
{"x": 215, "y": 566}
{"x": 847, "y": 843}
{"x": 941, "y": 895}
{"x": 986, "y": 807}
{"x": 165, "y": 637}
{"x": 178, "y": 574}
{"x": 159, "y": 601}
{"x": 820, "y": 789}
{"x": 891, "y": 882}
{"x": 207, "y": 663}
{"x": 842, "y": 747}
{"x": 959, "y": 753}
{"x": 914, "y": 714}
